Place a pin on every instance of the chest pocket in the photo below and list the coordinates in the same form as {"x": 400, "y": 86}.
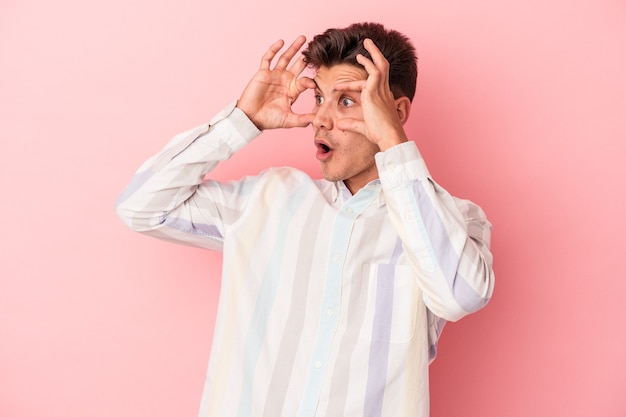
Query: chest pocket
{"x": 392, "y": 302}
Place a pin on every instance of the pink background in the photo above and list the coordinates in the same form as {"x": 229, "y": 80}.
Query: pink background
{"x": 521, "y": 106}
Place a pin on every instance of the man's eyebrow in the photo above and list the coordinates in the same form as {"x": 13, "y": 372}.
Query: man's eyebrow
{"x": 318, "y": 88}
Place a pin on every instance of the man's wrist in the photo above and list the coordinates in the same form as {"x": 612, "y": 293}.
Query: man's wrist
{"x": 391, "y": 141}
{"x": 244, "y": 125}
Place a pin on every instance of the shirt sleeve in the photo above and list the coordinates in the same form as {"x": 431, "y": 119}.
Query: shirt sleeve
{"x": 447, "y": 238}
{"x": 169, "y": 198}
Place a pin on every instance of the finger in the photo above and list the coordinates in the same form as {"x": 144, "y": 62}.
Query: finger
{"x": 373, "y": 72}
{"x": 377, "y": 78}
{"x": 305, "y": 83}
{"x": 357, "y": 86}
{"x": 377, "y": 57}
{"x": 297, "y": 67}
{"x": 267, "y": 58}
{"x": 300, "y": 86}
{"x": 299, "y": 120}
{"x": 352, "y": 125}
{"x": 287, "y": 56}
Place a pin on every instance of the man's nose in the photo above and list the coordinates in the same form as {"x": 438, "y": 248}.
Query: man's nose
{"x": 323, "y": 117}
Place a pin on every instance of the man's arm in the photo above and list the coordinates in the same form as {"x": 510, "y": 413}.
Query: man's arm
{"x": 447, "y": 239}
{"x": 168, "y": 198}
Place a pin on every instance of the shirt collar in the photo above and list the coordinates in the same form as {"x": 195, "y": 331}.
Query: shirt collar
{"x": 341, "y": 194}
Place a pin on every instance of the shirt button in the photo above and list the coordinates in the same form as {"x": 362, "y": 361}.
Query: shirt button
{"x": 336, "y": 257}
{"x": 330, "y": 312}
{"x": 318, "y": 364}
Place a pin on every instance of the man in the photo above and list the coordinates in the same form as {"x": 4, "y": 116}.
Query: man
{"x": 334, "y": 291}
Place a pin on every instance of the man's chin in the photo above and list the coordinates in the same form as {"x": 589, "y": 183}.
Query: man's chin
{"x": 329, "y": 176}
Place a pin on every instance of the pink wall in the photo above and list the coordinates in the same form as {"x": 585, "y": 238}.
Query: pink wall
{"x": 520, "y": 107}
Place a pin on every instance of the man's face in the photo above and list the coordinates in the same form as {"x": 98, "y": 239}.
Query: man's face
{"x": 343, "y": 155}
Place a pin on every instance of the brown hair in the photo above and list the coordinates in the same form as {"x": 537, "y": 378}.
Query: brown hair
{"x": 341, "y": 46}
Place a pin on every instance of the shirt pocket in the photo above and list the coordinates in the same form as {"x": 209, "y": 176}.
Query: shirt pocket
{"x": 391, "y": 303}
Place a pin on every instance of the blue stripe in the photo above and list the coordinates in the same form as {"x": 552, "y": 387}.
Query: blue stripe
{"x": 340, "y": 240}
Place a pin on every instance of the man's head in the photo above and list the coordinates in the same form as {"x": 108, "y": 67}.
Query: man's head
{"x": 348, "y": 155}
{"x": 341, "y": 46}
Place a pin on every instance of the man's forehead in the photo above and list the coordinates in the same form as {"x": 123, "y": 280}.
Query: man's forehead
{"x": 329, "y": 76}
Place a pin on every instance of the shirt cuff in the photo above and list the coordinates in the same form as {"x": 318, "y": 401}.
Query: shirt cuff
{"x": 242, "y": 127}
{"x": 400, "y": 164}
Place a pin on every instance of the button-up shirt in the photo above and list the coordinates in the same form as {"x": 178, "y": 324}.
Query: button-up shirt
{"x": 331, "y": 304}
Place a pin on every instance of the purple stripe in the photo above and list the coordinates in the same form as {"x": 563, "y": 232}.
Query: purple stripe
{"x": 381, "y": 335}
{"x": 138, "y": 180}
{"x": 446, "y": 256}
{"x": 436, "y": 327}
{"x": 205, "y": 230}
{"x": 397, "y": 251}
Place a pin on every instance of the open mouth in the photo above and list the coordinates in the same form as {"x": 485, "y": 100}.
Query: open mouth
{"x": 322, "y": 145}
{"x": 324, "y": 151}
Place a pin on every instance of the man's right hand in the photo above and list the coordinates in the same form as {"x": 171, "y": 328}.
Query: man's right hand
{"x": 268, "y": 97}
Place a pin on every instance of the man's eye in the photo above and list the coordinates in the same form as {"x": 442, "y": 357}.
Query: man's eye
{"x": 347, "y": 101}
{"x": 318, "y": 99}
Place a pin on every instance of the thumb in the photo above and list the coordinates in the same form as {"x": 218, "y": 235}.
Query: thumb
{"x": 352, "y": 125}
{"x": 299, "y": 120}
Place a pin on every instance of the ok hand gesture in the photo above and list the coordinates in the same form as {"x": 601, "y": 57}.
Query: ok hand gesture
{"x": 268, "y": 97}
{"x": 383, "y": 115}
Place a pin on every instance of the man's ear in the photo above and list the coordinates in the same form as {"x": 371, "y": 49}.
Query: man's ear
{"x": 403, "y": 107}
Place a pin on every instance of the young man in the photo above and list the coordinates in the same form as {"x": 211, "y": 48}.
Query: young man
{"x": 334, "y": 291}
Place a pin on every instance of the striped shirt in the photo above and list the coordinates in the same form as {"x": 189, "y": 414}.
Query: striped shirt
{"x": 331, "y": 304}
